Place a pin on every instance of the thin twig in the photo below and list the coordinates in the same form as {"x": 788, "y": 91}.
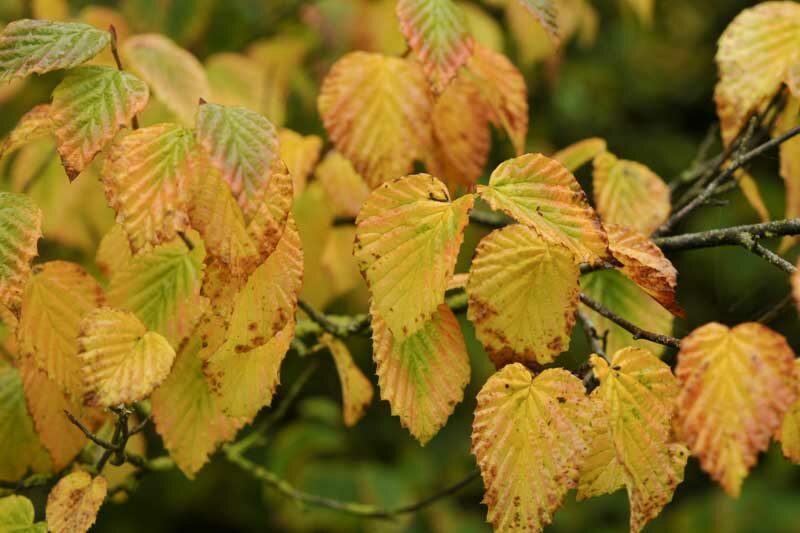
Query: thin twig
{"x": 775, "y": 310}
{"x": 638, "y": 333}
{"x": 91, "y": 436}
{"x": 728, "y": 236}
{"x": 115, "y": 52}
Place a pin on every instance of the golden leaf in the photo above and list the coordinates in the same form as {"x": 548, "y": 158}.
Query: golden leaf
{"x": 20, "y": 230}
{"x": 345, "y": 187}
{"x": 300, "y": 153}
{"x": 578, "y": 154}
{"x": 74, "y": 502}
{"x": 33, "y": 124}
{"x": 356, "y": 388}
{"x": 789, "y": 432}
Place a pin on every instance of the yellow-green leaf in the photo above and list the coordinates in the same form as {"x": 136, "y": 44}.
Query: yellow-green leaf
{"x": 39, "y": 46}
{"x": 539, "y": 192}
{"x": 376, "y": 110}
{"x": 356, "y": 388}
{"x": 121, "y": 361}
{"x": 300, "y": 153}
{"x": 33, "y": 124}
{"x": 17, "y": 515}
{"x": 578, "y": 154}
{"x": 529, "y": 438}
{"x": 232, "y": 81}
{"x": 546, "y": 12}
{"x": 114, "y": 252}
{"x": 408, "y": 235}
{"x": 20, "y": 230}
{"x": 90, "y": 105}
{"x": 74, "y": 502}
{"x": 523, "y": 294}
{"x": 736, "y": 386}
{"x": 344, "y": 186}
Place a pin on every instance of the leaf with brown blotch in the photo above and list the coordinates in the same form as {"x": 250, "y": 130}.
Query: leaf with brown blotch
{"x": 629, "y": 194}
{"x": 90, "y": 105}
{"x": 147, "y": 176}
{"x": 423, "y": 376}
{"x": 408, "y": 234}
{"x": 33, "y": 124}
{"x": 789, "y": 432}
{"x": 267, "y": 220}
{"x": 539, "y": 192}
{"x": 121, "y": 362}
{"x": 345, "y": 187}
{"x": 503, "y": 88}
{"x": 637, "y": 394}
{"x": 436, "y": 31}
{"x": 644, "y": 263}
{"x": 57, "y": 297}
{"x": 376, "y": 110}
{"x": 736, "y": 386}
{"x": 300, "y": 153}
{"x": 356, "y": 388}
{"x": 578, "y": 154}
{"x": 529, "y": 438}
{"x": 20, "y": 231}
{"x": 523, "y": 294}
{"x": 74, "y": 502}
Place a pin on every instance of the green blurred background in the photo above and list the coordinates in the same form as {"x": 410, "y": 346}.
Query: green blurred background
{"x": 647, "y": 89}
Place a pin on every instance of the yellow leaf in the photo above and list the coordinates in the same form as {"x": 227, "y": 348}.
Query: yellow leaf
{"x": 314, "y": 213}
{"x": 423, "y": 376}
{"x": 483, "y": 26}
{"x": 790, "y": 164}
{"x": 736, "y": 386}
{"x": 300, "y": 153}
{"x": 356, "y": 388}
{"x": 601, "y": 471}
{"x": 645, "y": 264}
{"x": 20, "y": 230}
{"x": 114, "y": 252}
{"x": 121, "y": 362}
{"x": 186, "y": 414}
{"x": 637, "y": 392}
{"x": 643, "y": 9}
{"x": 268, "y": 220}
{"x": 523, "y": 294}
{"x": 578, "y": 154}
{"x": 754, "y": 56}
{"x": 541, "y": 193}
{"x": 529, "y": 437}
{"x": 176, "y": 77}
{"x": 789, "y": 432}
{"x": 279, "y": 58}
{"x": 795, "y": 280}
{"x": 147, "y": 176}
{"x": 33, "y": 124}
{"x": 232, "y": 80}
{"x": 408, "y": 235}
{"x": 57, "y": 297}
{"x": 17, "y": 515}
{"x": 629, "y": 194}
{"x": 376, "y": 110}
{"x": 345, "y": 187}
{"x": 74, "y": 502}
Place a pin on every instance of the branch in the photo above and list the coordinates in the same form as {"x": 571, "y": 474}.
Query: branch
{"x": 728, "y": 236}
{"x": 638, "y": 333}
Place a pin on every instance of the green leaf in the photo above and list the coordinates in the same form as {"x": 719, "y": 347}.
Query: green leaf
{"x": 20, "y": 230}
{"x": 39, "y": 46}
{"x": 17, "y": 515}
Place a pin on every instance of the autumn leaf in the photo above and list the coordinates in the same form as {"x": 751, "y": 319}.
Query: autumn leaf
{"x": 34, "y": 124}
{"x": 539, "y": 192}
{"x": 56, "y": 298}
{"x": 176, "y": 77}
{"x": 74, "y": 502}
{"x": 232, "y": 82}
{"x": 280, "y": 60}
{"x": 790, "y": 163}
{"x": 408, "y": 235}
{"x": 423, "y": 376}
{"x": 20, "y": 230}
{"x": 747, "y": 374}
{"x": 376, "y": 110}
{"x": 620, "y": 186}
{"x": 789, "y": 432}
{"x": 529, "y": 437}
{"x": 147, "y": 176}
{"x": 345, "y": 187}
{"x": 40, "y": 46}
{"x": 113, "y": 252}
{"x": 300, "y": 153}
{"x": 523, "y": 294}
{"x": 90, "y": 105}
{"x": 17, "y": 516}
{"x": 578, "y": 154}
{"x": 436, "y": 30}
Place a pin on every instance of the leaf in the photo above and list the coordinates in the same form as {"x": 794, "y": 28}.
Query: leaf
{"x": 176, "y": 77}
{"x": 232, "y": 82}
{"x": 503, "y": 89}
{"x": 300, "y": 153}
{"x": 268, "y": 220}
{"x": 242, "y": 144}
{"x": 20, "y": 230}
{"x": 46, "y": 404}
{"x": 376, "y": 110}
{"x": 645, "y": 264}
{"x": 344, "y": 186}
{"x": 754, "y": 56}
{"x": 33, "y": 124}
{"x": 546, "y": 12}
{"x": 423, "y": 376}
{"x": 436, "y": 30}
{"x": 356, "y": 388}
{"x": 790, "y": 164}
{"x": 114, "y": 252}
{"x": 187, "y": 415}
{"x": 578, "y": 154}
{"x": 280, "y": 58}
{"x": 637, "y": 392}
{"x": 523, "y": 294}
{"x": 795, "y": 281}
{"x": 57, "y": 297}
{"x": 643, "y": 9}
{"x": 74, "y": 502}
{"x": 529, "y": 438}
{"x": 747, "y": 375}
{"x": 17, "y": 515}
{"x": 789, "y": 432}
{"x": 539, "y": 192}
{"x": 90, "y": 105}
{"x": 629, "y": 194}
{"x": 40, "y": 46}
{"x": 162, "y": 288}
{"x": 147, "y": 176}
{"x": 121, "y": 361}
{"x": 243, "y": 365}
{"x": 601, "y": 471}
{"x": 626, "y": 299}
{"x": 408, "y": 235}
